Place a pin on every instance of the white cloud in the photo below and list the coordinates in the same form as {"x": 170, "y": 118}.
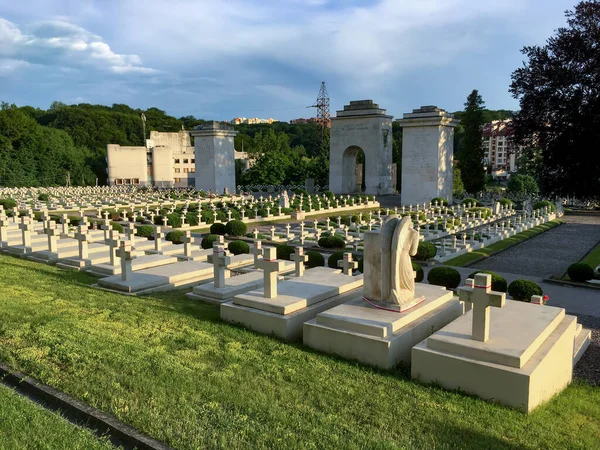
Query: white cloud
{"x": 63, "y": 44}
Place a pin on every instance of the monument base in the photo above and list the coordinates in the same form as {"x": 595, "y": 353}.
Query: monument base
{"x": 527, "y": 359}
{"x": 356, "y": 330}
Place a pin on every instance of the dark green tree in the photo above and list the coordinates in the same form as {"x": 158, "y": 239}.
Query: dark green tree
{"x": 470, "y": 160}
{"x": 558, "y": 88}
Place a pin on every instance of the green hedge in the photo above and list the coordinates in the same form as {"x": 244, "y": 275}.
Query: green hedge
{"x": 145, "y": 231}
{"x": 332, "y": 242}
{"x": 420, "y": 273}
{"x": 580, "y": 272}
{"x": 426, "y": 251}
{"x": 175, "y": 236}
{"x": 334, "y": 258}
{"x": 8, "y": 203}
{"x": 238, "y": 247}
{"x": 236, "y": 228}
{"x": 444, "y": 276}
{"x": 315, "y": 259}
{"x": 218, "y": 228}
{"x": 505, "y": 202}
{"x": 117, "y": 227}
{"x": 523, "y": 290}
{"x": 498, "y": 282}
{"x": 174, "y": 220}
{"x": 441, "y": 201}
{"x": 284, "y": 251}
{"x": 208, "y": 240}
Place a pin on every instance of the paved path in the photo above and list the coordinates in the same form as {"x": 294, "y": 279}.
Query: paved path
{"x": 549, "y": 253}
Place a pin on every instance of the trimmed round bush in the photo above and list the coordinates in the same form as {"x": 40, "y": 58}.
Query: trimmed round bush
{"x": 471, "y": 200}
{"x": 580, "y": 272}
{"x": 420, "y": 274}
{"x": 426, "y": 251}
{"x": 332, "y": 242}
{"x": 8, "y": 203}
{"x": 498, "y": 282}
{"x": 218, "y": 228}
{"x": 238, "y": 247}
{"x": 334, "y": 258}
{"x": 145, "y": 231}
{"x": 523, "y": 290}
{"x": 117, "y": 227}
{"x": 444, "y": 276}
{"x": 284, "y": 251}
{"x": 236, "y": 228}
{"x": 208, "y": 240}
{"x": 505, "y": 202}
{"x": 543, "y": 204}
{"x": 43, "y": 197}
{"x": 441, "y": 201}
{"x": 175, "y": 236}
{"x": 174, "y": 220}
{"x": 315, "y": 259}
{"x": 191, "y": 218}
{"x": 74, "y": 221}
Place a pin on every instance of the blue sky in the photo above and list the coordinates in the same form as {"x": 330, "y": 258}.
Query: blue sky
{"x": 218, "y": 59}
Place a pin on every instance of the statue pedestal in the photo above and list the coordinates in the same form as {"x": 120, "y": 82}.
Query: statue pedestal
{"x": 396, "y": 308}
{"x": 358, "y": 331}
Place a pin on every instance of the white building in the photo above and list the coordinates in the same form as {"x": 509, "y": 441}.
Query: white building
{"x": 501, "y": 154}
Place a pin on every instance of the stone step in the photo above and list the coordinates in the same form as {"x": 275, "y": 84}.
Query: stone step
{"x": 583, "y": 338}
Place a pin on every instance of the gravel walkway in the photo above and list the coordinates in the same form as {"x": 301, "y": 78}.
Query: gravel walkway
{"x": 588, "y": 367}
{"x": 549, "y": 253}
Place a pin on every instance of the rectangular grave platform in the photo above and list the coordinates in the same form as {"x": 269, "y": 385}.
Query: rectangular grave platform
{"x": 234, "y": 285}
{"x": 171, "y": 276}
{"x": 299, "y": 299}
{"x": 526, "y": 360}
{"x": 236, "y": 260}
{"x": 140, "y": 263}
{"x": 358, "y": 331}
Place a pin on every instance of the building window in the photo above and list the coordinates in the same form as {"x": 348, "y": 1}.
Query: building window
{"x": 135, "y": 181}
{"x": 186, "y": 170}
{"x": 176, "y": 161}
{"x": 127, "y": 181}
{"x": 185, "y": 161}
{"x": 177, "y": 170}
{"x": 118, "y": 181}
{"x": 177, "y": 180}
{"x": 193, "y": 170}
{"x": 193, "y": 161}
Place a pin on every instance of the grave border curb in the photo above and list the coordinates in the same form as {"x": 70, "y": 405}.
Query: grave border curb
{"x": 99, "y": 422}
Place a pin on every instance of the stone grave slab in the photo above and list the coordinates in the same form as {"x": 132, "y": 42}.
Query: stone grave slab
{"x": 358, "y": 331}
{"x": 141, "y": 263}
{"x": 181, "y": 274}
{"x": 234, "y": 286}
{"x": 527, "y": 358}
{"x": 298, "y": 300}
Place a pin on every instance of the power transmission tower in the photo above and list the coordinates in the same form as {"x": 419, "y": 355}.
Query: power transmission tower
{"x": 143, "y": 116}
{"x": 322, "y": 105}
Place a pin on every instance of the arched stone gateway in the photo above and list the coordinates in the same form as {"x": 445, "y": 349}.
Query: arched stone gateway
{"x": 362, "y": 125}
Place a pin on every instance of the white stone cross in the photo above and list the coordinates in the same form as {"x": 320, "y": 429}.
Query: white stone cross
{"x": 480, "y": 294}
{"x": 257, "y": 251}
{"x": 83, "y": 237}
{"x": 127, "y": 255}
{"x": 299, "y": 258}
{"x": 187, "y": 241}
{"x": 158, "y": 237}
{"x": 272, "y": 230}
{"x": 26, "y": 227}
{"x": 52, "y": 233}
{"x": 271, "y": 268}
{"x": 113, "y": 244}
{"x": 347, "y": 264}
{"x": 220, "y": 262}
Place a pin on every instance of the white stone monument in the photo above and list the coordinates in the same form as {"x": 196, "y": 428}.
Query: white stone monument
{"x": 427, "y": 154}
{"x": 214, "y": 150}
{"x": 362, "y": 125}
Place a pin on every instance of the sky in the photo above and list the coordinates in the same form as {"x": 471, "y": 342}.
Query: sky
{"x": 219, "y": 59}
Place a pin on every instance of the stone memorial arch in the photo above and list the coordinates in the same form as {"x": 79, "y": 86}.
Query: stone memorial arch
{"x": 362, "y": 125}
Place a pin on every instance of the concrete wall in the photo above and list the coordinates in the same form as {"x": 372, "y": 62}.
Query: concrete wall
{"x": 126, "y": 163}
{"x": 162, "y": 166}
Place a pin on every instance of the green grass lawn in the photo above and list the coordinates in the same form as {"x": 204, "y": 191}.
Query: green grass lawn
{"x": 593, "y": 257}
{"x": 473, "y": 256}
{"x": 169, "y": 367}
{"x": 26, "y": 425}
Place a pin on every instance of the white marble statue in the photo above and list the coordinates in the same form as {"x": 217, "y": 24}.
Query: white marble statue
{"x": 399, "y": 241}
